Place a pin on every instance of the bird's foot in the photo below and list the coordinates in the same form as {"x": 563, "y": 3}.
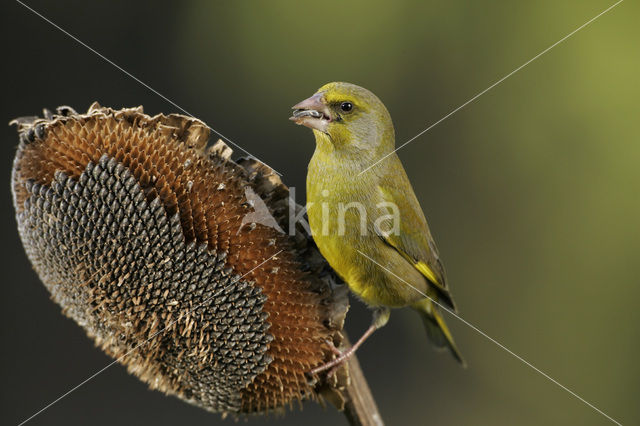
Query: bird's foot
{"x": 336, "y": 363}
{"x": 333, "y": 348}
{"x": 380, "y": 318}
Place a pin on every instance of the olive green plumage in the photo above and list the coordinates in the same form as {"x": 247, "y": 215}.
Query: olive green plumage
{"x": 369, "y": 225}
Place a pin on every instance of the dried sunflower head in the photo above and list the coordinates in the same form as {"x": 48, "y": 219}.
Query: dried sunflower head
{"x": 148, "y": 240}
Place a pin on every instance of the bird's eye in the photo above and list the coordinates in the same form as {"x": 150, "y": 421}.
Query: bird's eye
{"x": 346, "y": 106}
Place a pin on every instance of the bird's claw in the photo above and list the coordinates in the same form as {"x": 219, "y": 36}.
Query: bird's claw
{"x": 333, "y": 348}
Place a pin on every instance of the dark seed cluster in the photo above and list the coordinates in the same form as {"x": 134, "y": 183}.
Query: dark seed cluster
{"x": 136, "y": 230}
{"x": 146, "y": 285}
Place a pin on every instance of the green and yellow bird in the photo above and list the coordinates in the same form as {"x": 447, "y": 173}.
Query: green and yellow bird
{"x": 364, "y": 215}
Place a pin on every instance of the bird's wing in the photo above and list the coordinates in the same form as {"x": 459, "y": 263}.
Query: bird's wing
{"x": 411, "y": 237}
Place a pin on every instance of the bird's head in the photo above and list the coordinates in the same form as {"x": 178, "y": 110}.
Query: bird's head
{"x": 346, "y": 116}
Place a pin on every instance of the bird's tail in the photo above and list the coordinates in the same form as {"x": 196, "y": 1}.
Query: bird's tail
{"x": 437, "y": 329}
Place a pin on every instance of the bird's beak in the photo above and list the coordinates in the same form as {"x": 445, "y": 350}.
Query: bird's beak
{"x": 312, "y": 112}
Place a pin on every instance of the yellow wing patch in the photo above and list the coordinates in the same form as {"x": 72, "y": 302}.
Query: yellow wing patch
{"x": 427, "y": 272}
{"x": 431, "y": 276}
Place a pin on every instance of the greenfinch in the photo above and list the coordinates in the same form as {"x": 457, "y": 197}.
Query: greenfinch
{"x": 366, "y": 220}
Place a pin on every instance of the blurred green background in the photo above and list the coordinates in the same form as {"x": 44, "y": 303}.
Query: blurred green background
{"x": 532, "y": 191}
